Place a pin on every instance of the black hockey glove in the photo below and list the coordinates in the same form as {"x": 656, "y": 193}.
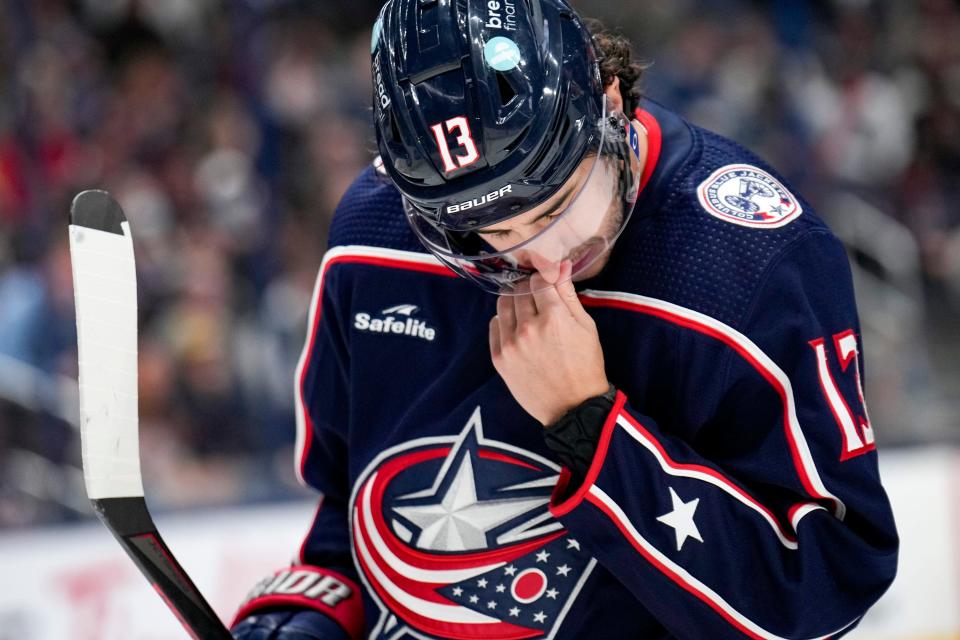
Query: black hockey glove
{"x": 574, "y": 437}
{"x": 301, "y": 603}
{"x": 288, "y": 624}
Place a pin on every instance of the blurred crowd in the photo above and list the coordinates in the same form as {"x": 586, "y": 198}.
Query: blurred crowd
{"x": 229, "y": 129}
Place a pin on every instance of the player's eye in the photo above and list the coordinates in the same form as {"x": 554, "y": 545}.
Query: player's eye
{"x": 542, "y": 222}
{"x": 546, "y": 221}
{"x": 553, "y": 216}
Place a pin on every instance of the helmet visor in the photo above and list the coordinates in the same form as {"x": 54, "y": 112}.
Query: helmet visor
{"x": 579, "y": 223}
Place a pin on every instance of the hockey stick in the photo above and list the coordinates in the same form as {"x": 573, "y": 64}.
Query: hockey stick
{"x": 105, "y": 289}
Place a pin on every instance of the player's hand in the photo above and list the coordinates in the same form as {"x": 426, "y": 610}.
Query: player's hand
{"x": 288, "y": 624}
{"x": 301, "y": 602}
{"x": 546, "y": 348}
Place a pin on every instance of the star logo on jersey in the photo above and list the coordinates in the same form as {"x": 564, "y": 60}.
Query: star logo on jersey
{"x": 460, "y": 521}
{"x": 748, "y": 196}
{"x": 454, "y": 538}
{"x": 681, "y": 519}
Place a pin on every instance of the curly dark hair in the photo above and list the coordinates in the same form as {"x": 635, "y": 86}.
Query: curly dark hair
{"x": 615, "y": 51}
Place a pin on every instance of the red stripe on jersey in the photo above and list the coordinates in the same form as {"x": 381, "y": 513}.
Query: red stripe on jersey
{"x": 317, "y": 308}
{"x": 441, "y": 628}
{"x": 713, "y": 473}
{"x": 606, "y": 434}
{"x": 654, "y": 144}
{"x": 346, "y": 612}
{"x": 730, "y": 341}
{"x": 427, "y": 560}
{"x": 502, "y": 457}
{"x": 669, "y": 572}
{"x": 381, "y": 261}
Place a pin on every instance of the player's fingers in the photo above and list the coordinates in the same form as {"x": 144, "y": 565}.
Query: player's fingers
{"x": 545, "y": 295}
{"x": 567, "y": 292}
{"x": 524, "y": 306}
{"x": 506, "y": 315}
{"x": 494, "y": 337}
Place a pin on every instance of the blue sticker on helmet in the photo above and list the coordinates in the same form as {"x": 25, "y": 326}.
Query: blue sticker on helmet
{"x": 502, "y": 54}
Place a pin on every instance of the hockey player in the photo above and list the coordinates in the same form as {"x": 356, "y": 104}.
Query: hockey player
{"x": 653, "y": 427}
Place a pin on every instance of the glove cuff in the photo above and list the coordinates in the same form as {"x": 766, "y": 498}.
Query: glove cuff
{"x": 305, "y": 586}
{"x": 573, "y": 438}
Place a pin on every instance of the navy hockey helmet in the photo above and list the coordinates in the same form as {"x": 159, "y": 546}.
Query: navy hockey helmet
{"x": 484, "y": 109}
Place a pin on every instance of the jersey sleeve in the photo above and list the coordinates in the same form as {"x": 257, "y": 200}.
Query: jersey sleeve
{"x": 768, "y": 520}
{"x": 322, "y": 401}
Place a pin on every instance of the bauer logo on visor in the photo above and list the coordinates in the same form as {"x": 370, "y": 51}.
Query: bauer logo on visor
{"x": 481, "y": 201}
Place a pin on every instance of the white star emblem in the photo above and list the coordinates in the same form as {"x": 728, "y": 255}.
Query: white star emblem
{"x": 543, "y": 555}
{"x": 501, "y": 588}
{"x": 482, "y": 583}
{"x": 457, "y": 591}
{"x": 515, "y": 611}
{"x": 573, "y": 544}
{"x": 552, "y": 593}
{"x": 510, "y": 570}
{"x": 681, "y": 519}
{"x": 491, "y": 605}
{"x": 474, "y": 599}
{"x": 460, "y": 521}
{"x": 563, "y": 570}
{"x": 539, "y": 616}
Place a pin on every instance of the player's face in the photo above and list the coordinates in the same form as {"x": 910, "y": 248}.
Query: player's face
{"x": 583, "y": 235}
{"x": 578, "y": 223}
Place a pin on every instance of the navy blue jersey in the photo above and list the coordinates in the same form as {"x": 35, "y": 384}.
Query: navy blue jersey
{"x": 734, "y": 492}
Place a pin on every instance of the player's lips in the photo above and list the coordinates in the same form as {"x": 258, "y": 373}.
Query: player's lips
{"x": 586, "y": 254}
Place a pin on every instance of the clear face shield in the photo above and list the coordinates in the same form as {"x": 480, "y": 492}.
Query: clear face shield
{"x": 579, "y": 223}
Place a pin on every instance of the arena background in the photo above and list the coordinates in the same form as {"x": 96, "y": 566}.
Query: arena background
{"x": 228, "y": 130}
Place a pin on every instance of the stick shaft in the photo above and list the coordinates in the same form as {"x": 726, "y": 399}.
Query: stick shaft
{"x": 130, "y": 522}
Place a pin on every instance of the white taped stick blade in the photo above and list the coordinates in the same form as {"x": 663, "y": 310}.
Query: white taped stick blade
{"x": 105, "y": 290}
